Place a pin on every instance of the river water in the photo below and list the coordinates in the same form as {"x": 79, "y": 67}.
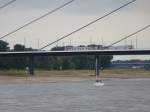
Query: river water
{"x": 117, "y": 95}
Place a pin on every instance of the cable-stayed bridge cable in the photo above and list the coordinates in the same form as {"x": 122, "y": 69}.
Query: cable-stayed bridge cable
{"x": 87, "y": 25}
{"x": 128, "y": 36}
{"x": 8, "y": 3}
{"x": 37, "y": 19}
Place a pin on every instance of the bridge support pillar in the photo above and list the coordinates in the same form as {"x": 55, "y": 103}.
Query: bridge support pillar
{"x": 31, "y": 65}
{"x": 97, "y": 69}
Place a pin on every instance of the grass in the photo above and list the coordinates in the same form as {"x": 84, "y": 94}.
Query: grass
{"x": 126, "y": 73}
{"x": 110, "y": 73}
{"x": 15, "y": 73}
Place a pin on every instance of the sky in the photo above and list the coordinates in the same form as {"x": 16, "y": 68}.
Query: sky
{"x": 78, "y": 13}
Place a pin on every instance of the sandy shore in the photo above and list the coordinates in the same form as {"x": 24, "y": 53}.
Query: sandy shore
{"x": 34, "y": 79}
{"x": 15, "y": 77}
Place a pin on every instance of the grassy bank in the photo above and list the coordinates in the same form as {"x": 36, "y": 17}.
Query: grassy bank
{"x": 110, "y": 73}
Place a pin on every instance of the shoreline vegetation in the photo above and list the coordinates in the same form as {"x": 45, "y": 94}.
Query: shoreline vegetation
{"x": 54, "y": 76}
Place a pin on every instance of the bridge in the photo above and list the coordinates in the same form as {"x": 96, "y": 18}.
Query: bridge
{"x": 96, "y": 53}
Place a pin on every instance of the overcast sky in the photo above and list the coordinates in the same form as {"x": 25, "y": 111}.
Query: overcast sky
{"x": 73, "y": 16}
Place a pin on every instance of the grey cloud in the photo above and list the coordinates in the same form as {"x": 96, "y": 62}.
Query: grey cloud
{"x": 78, "y": 6}
{"x": 95, "y": 6}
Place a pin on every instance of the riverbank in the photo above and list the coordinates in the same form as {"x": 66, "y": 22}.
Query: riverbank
{"x": 51, "y": 76}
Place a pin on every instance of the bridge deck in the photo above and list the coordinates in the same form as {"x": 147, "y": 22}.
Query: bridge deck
{"x": 69, "y": 53}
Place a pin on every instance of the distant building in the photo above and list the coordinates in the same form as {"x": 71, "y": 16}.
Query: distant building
{"x": 90, "y": 47}
{"x": 58, "y": 48}
{"x": 124, "y": 47}
{"x": 82, "y": 47}
{"x": 131, "y": 65}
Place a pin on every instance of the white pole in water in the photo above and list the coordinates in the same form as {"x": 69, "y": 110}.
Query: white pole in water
{"x": 97, "y": 72}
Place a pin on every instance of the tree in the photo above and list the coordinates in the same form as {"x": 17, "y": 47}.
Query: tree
{"x": 20, "y": 62}
{"x": 3, "y": 46}
{"x": 4, "y": 61}
{"x": 19, "y": 47}
{"x": 105, "y": 61}
{"x": 43, "y": 62}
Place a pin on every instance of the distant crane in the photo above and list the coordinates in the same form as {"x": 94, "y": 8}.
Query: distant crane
{"x": 146, "y": 27}
{"x": 83, "y": 27}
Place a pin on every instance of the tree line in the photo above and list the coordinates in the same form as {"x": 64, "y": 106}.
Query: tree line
{"x": 49, "y": 62}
